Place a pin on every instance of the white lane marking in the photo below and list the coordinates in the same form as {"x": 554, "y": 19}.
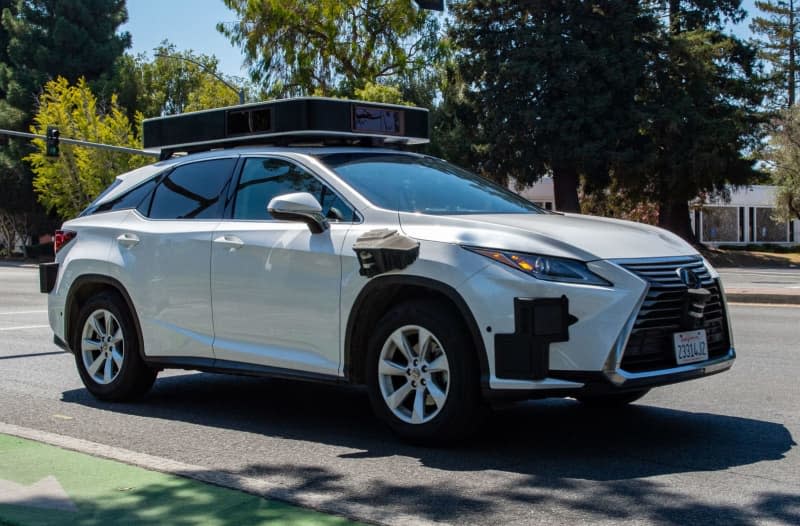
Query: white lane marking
{"x": 260, "y": 487}
{"x": 47, "y": 493}
{"x": 24, "y": 327}
{"x": 23, "y": 312}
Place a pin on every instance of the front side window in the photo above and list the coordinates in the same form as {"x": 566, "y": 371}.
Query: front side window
{"x": 263, "y": 179}
{"x": 192, "y": 191}
{"x": 411, "y": 183}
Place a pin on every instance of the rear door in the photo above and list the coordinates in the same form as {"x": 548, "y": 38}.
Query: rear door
{"x": 164, "y": 249}
{"x": 275, "y": 285}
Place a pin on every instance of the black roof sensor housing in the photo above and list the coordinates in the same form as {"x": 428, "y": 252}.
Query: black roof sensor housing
{"x": 287, "y": 121}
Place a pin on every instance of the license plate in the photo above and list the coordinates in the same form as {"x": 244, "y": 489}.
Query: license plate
{"x": 690, "y": 346}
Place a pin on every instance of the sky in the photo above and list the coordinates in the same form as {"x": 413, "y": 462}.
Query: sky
{"x": 191, "y": 24}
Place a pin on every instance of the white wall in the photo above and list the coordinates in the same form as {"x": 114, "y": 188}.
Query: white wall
{"x": 750, "y": 197}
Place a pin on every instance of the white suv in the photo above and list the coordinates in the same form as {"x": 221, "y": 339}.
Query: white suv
{"x": 435, "y": 288}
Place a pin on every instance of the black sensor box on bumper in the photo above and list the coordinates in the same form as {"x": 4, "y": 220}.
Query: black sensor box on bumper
{"x": 48, "y": 272}
{"x": 525, "y": 355}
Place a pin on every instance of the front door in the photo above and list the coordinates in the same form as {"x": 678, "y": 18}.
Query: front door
{"x": 275, "y": 286}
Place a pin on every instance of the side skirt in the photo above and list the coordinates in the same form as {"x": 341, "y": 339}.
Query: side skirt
{"x": 210, "y": 365}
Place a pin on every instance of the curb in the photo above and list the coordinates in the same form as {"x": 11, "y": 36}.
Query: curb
{"x": 764, "y": 298}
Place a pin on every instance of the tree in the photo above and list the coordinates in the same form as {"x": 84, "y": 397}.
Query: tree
{"x": 701, "y": 97}
{"x": 779, "y": 46}
{"x": 172, "y": 82}
{"x": 331, "y": 47}
{"x": 68, "y": 38}
{"x": 551, "y": 87}
{"x": 68, "y": 184}
{"x": 783, "y": 156}
{"x": 39, "y": 40}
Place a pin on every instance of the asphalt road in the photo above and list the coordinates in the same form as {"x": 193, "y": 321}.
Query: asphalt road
{"x": 721, "y": 450}
{"x": 779, "y": 280}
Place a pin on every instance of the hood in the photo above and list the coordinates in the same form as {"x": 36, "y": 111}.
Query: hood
{"x": 563, "y": 235}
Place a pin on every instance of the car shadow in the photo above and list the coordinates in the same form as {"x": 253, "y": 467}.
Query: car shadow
{"x": 548, "y": 446}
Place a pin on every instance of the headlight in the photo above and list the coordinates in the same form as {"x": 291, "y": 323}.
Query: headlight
{"x": 544, "y": 267}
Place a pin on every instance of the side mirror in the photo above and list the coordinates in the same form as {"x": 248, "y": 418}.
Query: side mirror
{"x": 300, "y": 206}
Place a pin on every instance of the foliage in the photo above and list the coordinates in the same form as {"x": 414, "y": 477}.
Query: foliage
{"x": 48, "y": 38}
{"x": 784, "y": 160}
{"x": 615, "y": 202}
{"x": 68, "y": 184}
{"x": 779, "y": 46}
{"x": 652, "y": 98}
{"x": 380, "y": 93}
{"x": 39, "y": 40}
{"x": 701, "y": 99}
{"x": 551, "y": 86}
{"x": 172, "y": 82}
{"x": 333, "y": 47}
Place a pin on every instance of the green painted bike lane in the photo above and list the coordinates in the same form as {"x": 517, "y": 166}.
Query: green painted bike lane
{"x": 43, "y": 485}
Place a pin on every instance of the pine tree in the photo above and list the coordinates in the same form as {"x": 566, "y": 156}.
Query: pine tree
{"x": 702, "y": 99}
{"x": 550, "y": 87}
{"x": 779, "y": 43}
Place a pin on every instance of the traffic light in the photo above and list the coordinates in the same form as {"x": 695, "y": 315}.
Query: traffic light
{"x": 52, "y": 141}
{"x": 435, "y": 5}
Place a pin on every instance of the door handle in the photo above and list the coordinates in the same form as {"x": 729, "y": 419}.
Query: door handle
{"x": 233, "y": 242}
{"x": 128, "y": 240}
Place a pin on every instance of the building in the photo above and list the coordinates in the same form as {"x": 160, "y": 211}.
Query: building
{"x": 746, "y": 218}
{"x": 541, "y": 193}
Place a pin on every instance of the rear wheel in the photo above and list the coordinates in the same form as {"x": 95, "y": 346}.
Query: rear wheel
{"x": 422, "y": 372}
{"x": 612, "y": 400}
{"x": 107, "y": 350}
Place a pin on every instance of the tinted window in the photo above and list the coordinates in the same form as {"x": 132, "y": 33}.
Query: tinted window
{"x": 131, "y": 199}
{"x": 408, "y": 183}
{"x": 192, "y": 191}
{"x": 263, "y": 179}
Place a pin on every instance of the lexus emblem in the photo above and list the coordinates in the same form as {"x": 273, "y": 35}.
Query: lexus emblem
{"x": 689, "y": 278}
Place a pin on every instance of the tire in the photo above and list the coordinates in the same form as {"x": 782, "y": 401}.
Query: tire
{"x": 612, "y": 400}
{"x": 107, "y": 347}
{"x": 435, "y": 400}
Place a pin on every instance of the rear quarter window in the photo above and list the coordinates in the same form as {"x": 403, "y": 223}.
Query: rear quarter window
{"x": 192, "y": 191}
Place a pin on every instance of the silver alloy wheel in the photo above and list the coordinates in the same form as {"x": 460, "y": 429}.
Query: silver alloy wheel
{"x": 102, "y": 346}
{"x": 413, "y": 374}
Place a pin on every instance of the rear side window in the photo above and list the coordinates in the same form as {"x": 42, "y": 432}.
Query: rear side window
{"x": 192, "y": 191}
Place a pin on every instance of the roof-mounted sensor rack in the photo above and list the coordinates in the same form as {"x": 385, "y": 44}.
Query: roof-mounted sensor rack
{"x": 306, "y": 120}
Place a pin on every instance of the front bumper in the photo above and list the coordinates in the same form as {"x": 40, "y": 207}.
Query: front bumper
{"x": 642, "y": 306}
{"x": 624, "y": 381}
{"x": 599, "y": 383}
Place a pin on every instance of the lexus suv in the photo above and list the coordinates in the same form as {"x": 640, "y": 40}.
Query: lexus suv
{"x": 433, "y": 287}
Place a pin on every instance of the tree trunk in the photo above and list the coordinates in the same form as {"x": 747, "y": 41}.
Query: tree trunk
{"x": 674, "y": 16}
{"x": 565, "y": 187}
{"x": 674, "y": 216}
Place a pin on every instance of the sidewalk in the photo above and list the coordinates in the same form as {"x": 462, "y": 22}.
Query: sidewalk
{"x": 44, "y": 485}
{"x": 764, "y": 285}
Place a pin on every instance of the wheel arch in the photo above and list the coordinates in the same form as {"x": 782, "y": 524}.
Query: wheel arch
{"x": 378, "y": 296}
{"x": 83, "y": 288}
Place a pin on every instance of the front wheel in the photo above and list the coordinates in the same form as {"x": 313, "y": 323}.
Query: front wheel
{"x": 107, "y": 351}
{"x": 423, "y": 378}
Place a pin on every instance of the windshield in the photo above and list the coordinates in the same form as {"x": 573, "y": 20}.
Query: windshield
{"x": 409, "y": 183}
